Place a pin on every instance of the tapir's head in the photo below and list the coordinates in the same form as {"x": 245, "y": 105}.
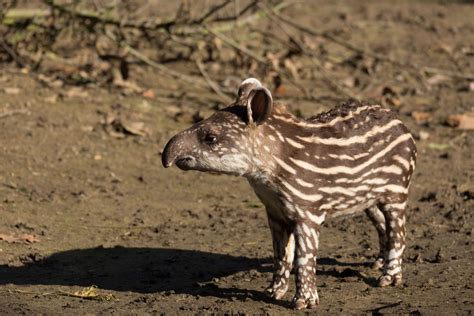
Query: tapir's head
{"x": 224, "y": 142}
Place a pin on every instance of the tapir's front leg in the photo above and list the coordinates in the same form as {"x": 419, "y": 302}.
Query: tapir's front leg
{"x": 307, "y": 240}
{"x": 284, "y": 253}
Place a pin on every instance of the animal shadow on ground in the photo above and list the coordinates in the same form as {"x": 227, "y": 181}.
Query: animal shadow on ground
{"x": 149, "y": 270}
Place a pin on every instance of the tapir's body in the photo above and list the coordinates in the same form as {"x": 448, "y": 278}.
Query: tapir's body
{"x": 354, "y": 158}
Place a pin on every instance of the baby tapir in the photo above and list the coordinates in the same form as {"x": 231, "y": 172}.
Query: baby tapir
{"x": 353, "y": 158}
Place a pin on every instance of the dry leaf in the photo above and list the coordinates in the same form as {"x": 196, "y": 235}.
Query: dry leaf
{"x": 118, "y": 81}
{"x": 462, "y": 121}
{"x": 292, "y": 68}
{"x": 421, "y": 118}
{"x": 12, "y": 90}
{"x": 76, "y": 92}
{"x": 119, "y": 128}
{"x": 150, "y": 94}
{"x": 87, "y": 128}
{"x": 350, "y": 82}
{"x": 25, "y": 238}
{"x": 52, "y": 98}
{"x": 274, "y": 60}
{"x": 328, "y": 65}
{"x": 89, "y": 293}
{"x": 393, "y": 101}
{"x": 281, "y": 90}
{"x": 30, "y": 238}
{"x": 50, "y": 81}
{"x": 437, "y": 79}
{"x": 135, "y": 128}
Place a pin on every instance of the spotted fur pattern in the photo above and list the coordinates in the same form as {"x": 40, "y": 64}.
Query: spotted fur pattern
{"x": 356, "y": 157}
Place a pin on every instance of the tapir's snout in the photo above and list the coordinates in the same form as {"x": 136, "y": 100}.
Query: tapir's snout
{"x": 171, "y": 152}
{"x": 176, "y": 152}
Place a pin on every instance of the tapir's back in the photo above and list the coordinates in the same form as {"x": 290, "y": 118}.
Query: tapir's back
{"x": 345, "y": 155}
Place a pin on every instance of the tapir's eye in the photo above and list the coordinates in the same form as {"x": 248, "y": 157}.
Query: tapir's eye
{"x": 210, "y": 139}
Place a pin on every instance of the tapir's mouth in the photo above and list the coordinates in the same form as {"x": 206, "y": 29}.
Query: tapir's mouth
{"x": 185, "y": 163}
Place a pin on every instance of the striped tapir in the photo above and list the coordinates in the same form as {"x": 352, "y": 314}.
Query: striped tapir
{"x": 356, "y": 157}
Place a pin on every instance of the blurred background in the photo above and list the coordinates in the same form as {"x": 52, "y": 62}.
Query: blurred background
{"x": 90, "y": 91}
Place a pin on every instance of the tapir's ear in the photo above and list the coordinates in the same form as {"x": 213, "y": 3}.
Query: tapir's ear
{"x": 246, "y": 86}
{"x": 259, "y": 105}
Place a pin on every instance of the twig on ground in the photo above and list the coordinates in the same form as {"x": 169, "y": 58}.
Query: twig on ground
{"x": 213, "y": 10}
{"x": 235, "y": 45}
{"x": 24, "y": 14}
{"x": 240, "y": 13}
{"x": 214, "y": 86}
{"x": 163, "y": 69}
{"x": 448, "y": 73}
{"x": 10, "y": 51}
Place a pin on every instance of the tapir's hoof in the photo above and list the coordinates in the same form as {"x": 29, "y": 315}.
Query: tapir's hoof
{"x": 386, "y": 280}
{"x": 301, "y": 303}
{"x": 276, "y": 292}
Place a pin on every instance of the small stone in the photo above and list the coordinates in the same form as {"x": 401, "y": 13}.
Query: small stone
{"x": 424, "y": 135}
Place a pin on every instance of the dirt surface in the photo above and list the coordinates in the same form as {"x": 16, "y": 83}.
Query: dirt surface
{"x": 90, "y": 204}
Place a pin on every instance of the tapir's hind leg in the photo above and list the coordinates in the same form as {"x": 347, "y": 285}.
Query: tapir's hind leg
{"x": 394, "y": 214}
{"x": 378, "y": 219}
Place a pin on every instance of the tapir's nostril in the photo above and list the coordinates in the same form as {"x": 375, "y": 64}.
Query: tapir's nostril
{"x": 185, "y": 162}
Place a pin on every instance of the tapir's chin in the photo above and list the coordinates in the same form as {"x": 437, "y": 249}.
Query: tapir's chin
{"x": 186, "y": 163}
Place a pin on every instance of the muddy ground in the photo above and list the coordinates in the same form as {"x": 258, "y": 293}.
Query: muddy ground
{"x": 97, "y": 208}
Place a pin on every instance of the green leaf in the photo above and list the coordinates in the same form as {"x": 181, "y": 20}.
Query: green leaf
{"x": 436, "y": 146}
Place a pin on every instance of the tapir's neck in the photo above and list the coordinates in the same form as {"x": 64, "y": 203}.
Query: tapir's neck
{"x": 269, "y": 142}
